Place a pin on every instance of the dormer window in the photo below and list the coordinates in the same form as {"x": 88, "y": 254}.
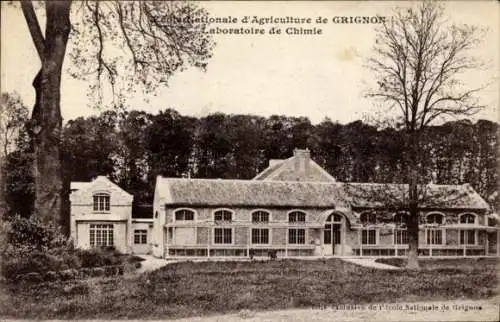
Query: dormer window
{"x": 368, "y": 218}
{"x": 468, "y": 219}
{"x": 400, "y": 219}
{"x": 260, "y": 216}
{"x": 435, "y": 219}
{"x": 223, "y": 216}
{"x": 101, "y": 202}
{"x": 184, "y": 214}
{"x": 296, "y": 217}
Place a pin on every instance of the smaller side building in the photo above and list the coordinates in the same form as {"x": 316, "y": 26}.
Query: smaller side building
{"x": 101, "y": 216}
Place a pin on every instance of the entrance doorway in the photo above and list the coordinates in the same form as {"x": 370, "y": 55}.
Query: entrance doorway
{"x": 332, "y": 235}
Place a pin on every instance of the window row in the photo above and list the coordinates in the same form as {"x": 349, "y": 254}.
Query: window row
{"x": 102, "y": 235}
{"x": 400, "y": 237}
{"x": 259, "y": 216}
{"x": 259, "y": 236}
{"x": 432, "y": 218}
{"x": 333, "y": 236}
{"x": 262, "y": 216}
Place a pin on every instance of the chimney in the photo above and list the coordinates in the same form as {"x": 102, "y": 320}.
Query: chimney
{"x": 302, "y": 158}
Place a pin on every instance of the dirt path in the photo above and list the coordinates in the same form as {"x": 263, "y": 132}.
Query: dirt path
{"x": 460, "y": 310}
{"x": 151, "y": 263}
{"x": 369, "y": 262}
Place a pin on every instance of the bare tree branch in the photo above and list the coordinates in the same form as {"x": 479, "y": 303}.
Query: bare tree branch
{"x": 34, "y": 27}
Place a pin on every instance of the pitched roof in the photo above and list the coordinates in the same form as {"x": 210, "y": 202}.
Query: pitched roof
{"x": 431, "y": 196}
{"x": 80, "y": 188}
{"x": 254, "y": 193}
{"x": 274, "y": 164}
{"x": 217, "y": 192}
{"x": 285, "y": 170}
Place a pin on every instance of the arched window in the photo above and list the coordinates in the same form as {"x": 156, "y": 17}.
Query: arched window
{"x": 435, "y": 218}
{"x": 368, "y": 218}
{"x": 223, "y": 215}
{"x": 260, "y": 216}
{"x": 184, "y": 214}
{"x": 296, "y": 216}
{"x": 334, "y": 218}
{"x": 101, "y": 202}
{"x": 468, "y": 219}
{"x": 400, "y": 219}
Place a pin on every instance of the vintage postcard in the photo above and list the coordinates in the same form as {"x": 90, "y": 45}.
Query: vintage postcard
{"x": 250, "y": 160}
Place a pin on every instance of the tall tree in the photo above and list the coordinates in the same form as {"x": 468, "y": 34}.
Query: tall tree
{"x": 169, "y": 139}
{"x": 418, "y": 61}
{"x": 134, "y": 155}
{"x": 155, "y": 40}
{"x": 13, "y": 117}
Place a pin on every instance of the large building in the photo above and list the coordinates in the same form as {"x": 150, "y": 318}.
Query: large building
{"x": 101, "y": 215}
{"x": 295, "y": 208}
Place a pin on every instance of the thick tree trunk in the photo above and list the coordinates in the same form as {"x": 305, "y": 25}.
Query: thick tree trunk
{"x": 46, "y": 117}
{"x": 412, "y": 227}
{"x": 413, "y": 195}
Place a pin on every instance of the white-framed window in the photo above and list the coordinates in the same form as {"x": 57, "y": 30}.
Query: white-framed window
{"x": 468, "y": 237}
{"x": 101, "y": 235}
{"x": 369, "y": 236}
{"x": 400, "y": 237}
{"x": 184, "y": 214}
{"x": 260, "y": 236}
{"x": 434, "y": 236}
{"x": 400, "y": 219}
{"x": 336, "y": 218}
{"x": 469, "y": 219}
{"x": 368, "y": 218}
{"x": 296, "y": 236}
{"x": 223, "y": 215}
{"x": 296, "y": 217}
{"x": 435, "y": 218}
{"x": 223, "y": 236}
{"x": 140, "y": 236}
{"x": 260, "y": 216}
{"x": 101, "y": 202}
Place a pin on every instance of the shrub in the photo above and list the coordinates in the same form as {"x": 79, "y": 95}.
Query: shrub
{"x": 30, "y": 234}
{"x": 99, "y": 257}
{"x": 29, "y": 246}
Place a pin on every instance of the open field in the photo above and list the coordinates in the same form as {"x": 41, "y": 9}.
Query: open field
{"x": 204, "y": 289}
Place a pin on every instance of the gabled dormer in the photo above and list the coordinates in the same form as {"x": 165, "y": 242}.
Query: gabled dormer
{"x": 99, "y": 196}
{"x": 300, "y": 167}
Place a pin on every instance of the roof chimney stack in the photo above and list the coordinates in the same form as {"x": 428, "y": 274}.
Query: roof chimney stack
{"x": 302, "y": 160}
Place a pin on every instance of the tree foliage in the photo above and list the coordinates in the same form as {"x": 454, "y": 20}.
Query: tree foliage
{"x": 124, "y": 46}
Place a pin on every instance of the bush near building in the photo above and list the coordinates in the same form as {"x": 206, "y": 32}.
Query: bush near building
{"x": 34, "y": 252}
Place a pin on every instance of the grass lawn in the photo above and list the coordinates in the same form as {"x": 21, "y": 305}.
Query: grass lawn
{"x": 193, "y": 289}
{"x": 445, "y": 264}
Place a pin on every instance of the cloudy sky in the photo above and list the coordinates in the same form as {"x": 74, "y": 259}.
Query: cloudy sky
{"x": 316, "y": 76}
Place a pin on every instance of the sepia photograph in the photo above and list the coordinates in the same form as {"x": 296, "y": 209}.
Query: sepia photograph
{"x": 250, "y": 160}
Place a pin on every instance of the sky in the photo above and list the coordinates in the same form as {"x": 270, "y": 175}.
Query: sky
{"x": 316, "y": 76}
